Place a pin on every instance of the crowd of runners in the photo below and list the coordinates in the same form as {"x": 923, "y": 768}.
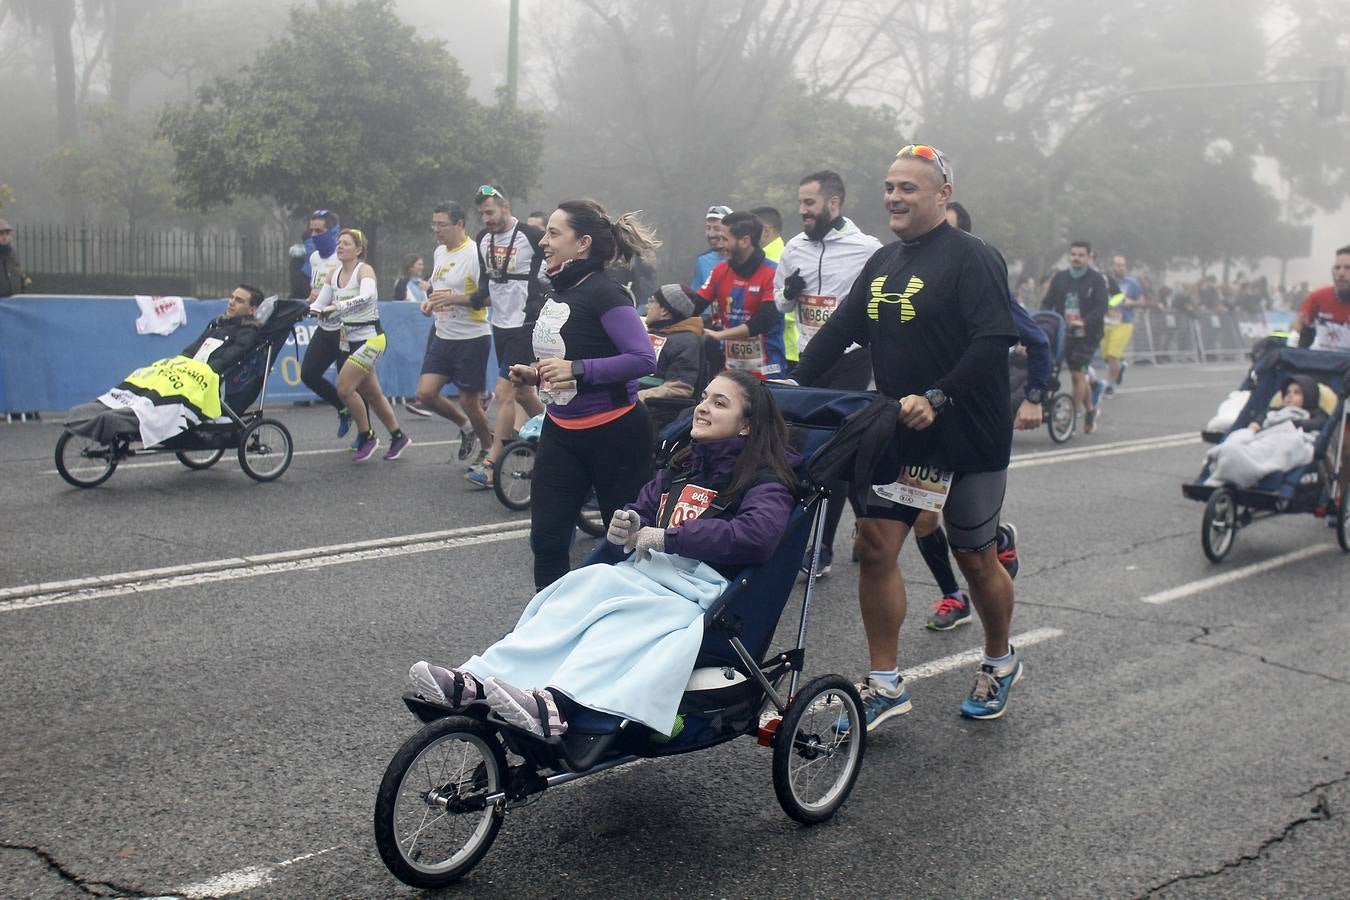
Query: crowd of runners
{"x": 585, "y": 337}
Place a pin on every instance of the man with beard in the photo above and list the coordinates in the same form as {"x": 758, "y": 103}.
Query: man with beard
{"x": 933, "y": 307}
{"x": 740, "y": 292}
{"x": 815, "y": 271}
{"x": 714, "y": 234}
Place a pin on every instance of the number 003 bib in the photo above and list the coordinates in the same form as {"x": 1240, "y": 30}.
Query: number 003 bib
{"x": 919, "y": 486}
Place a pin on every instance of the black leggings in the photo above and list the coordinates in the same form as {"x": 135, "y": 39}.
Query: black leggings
{"x": 323, "y": 350}
{"x": 614, "y": 458}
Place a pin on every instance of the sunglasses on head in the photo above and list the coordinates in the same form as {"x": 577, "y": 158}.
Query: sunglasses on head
{"x": 931, "y": 154}
{"x": 488, "y": 190}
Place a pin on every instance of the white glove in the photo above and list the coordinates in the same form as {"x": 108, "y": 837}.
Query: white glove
{"x": 649, "y": 539}
{"x": 624, "y": 525}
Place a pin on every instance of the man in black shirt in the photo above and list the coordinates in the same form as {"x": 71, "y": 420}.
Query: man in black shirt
{"x": 933, "y": 308}
{"x": 1079, "y": 294}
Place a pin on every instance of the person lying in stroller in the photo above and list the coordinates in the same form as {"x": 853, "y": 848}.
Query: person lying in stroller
{"x": 1281, "y": 441}
{"x": 227, "y": 340}
{"x": 622, "y": 639}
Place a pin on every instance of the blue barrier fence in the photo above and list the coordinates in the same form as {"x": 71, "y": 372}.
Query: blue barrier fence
{"x": 56, "y": 352}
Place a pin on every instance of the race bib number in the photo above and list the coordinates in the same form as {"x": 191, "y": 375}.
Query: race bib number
{"x": 747, "y": 355}
{"x": 658, "y": 341}
{"x": 813, "y": 310}
{"x": 206, "y": 349}
{"x": 692, "y": 503}
{"x": 922, "y": 487}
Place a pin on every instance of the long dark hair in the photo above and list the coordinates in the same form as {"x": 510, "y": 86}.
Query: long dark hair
{"x": 767, "y": 444}
{"x": 621, "y": 239}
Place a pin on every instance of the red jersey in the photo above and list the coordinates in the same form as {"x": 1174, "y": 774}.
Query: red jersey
{"x": 734, "y": 301}
{"x": 1330, "y": 315}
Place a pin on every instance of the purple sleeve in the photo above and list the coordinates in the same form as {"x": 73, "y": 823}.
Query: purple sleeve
{"x": 636, "y": 357}
{"x": 748, "y": 538}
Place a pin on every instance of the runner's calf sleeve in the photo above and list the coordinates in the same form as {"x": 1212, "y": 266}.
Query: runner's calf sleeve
{"x": 933, "y": 547}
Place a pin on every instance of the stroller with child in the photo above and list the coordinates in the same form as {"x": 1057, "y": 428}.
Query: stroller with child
{"x": 1312, "y": 487}
{"x": 263, "y": 445}
{"x": 447, "y": 790}
{"x": 1061, "y": 415}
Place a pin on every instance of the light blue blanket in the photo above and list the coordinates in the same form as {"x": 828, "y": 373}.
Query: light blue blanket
{"x": 621, "y": 639}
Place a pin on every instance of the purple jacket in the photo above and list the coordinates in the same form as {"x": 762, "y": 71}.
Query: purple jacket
{"x": 748, "y": 537}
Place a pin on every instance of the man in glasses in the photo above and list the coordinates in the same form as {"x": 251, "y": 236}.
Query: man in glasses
{"x": 1079, "y": 294}
{"x": 715, "y": 235}
{"x": 933, "y": 308}
{"x": 12, "y": 279}
{"x": 508, "y": 252}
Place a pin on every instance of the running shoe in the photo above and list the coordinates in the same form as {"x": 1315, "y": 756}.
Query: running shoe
{"x": 1090, "y": 421}
{"x": 451, "y": 687}
{"x": 480, "y": 475}
{"x": 365, "y": 448}
{"x": 950, "y": 611}
{"x": 879, "y": 704}
{"x": 467, "y": 441}
{"x": 1007, "y": 548}
{"x": 535, "y": 711}
{"x": 1110, "y": 390}
{"x": 826, "y": 561}
{"x": 397, "y": 446}
{"x": 344, "y": 423}
{"x": 417, "y": 409}
{"x": 989, "y": 698}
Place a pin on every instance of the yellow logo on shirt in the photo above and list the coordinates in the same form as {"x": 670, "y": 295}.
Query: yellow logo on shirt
{"x": 879, "y": 297}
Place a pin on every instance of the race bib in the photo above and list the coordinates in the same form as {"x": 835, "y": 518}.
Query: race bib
{"x": 747, "y": 355}
{"x": 814, "y": 309}
{"x": 922, "y": 487}
{"x": 692, "y": 503}
{"x": 658, "y": 341}
{"x": 206, "y": 349}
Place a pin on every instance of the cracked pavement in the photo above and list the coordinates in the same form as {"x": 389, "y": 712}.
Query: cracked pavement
{"x": 158, "y": 741}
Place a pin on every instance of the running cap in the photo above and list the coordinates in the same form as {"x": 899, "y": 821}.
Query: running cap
{"x": 718, "y": 212}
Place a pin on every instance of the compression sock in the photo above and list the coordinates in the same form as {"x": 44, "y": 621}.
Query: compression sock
{"x": 889, "y": 680}
{"x": 933, "y": 547}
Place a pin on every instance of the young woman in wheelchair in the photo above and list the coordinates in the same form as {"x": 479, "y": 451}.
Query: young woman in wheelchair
{"x": 622, "y": 639}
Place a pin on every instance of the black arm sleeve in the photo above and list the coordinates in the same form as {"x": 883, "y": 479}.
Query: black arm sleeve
{"x": 480, "y": 296}
{"x": 764, "y": 319}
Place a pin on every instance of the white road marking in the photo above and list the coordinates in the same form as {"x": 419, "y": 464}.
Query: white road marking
{"x": 241, "y": 880}
{"x": 1046, "y": 457}
{"x": 234, "y": 562}
{"x": 970, "y": 657}
{"x": 57, "y": 598}
{"x": 1204, "y": 584}
{"x": 233, "y": 453}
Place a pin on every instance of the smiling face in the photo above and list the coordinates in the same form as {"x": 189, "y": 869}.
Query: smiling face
{"x": 721, "y": 412}
{"x": 560, "y": 243}
{"x": 916, "y": 197}
{"x": 814, "y": 206}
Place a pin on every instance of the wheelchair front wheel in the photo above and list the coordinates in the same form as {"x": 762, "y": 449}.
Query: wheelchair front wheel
{"x": 1218, "y": 529}
{"x": 265, "y": 450}
{"x": 199, "y": 459}
{"x": 1061, "y": 418}
{"x": 815, "y": 765}
{"x": 513, "y": 474}
{"x": 432, "y": 824}
{"x": 84, "y": 462}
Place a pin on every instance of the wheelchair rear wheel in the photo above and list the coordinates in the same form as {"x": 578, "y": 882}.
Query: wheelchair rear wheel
{"x": 513, "y": 474}
{"x": 1062, "y": 418}
{"x": 432, "y": 824}
{"x": 265, "y": 450}
{"x": 199, "y": 459}
{"x": 1218, "y": 529}
{"x": 85, "y": 462}
{"x": 814, "y": 764}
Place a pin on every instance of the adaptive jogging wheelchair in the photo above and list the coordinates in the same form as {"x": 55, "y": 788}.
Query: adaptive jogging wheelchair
{"x": 1311, "y": 488}
{"x": 263, "y": 445}
{"x": 1061, "y": 414}
{"x": 447, "y": 790}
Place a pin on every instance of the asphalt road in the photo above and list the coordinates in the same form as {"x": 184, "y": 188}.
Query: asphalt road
{"x": 223, "y": 732}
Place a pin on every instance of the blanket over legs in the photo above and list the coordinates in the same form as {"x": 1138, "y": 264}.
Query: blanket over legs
{"x": 621, "y": 639}
{"x": 168, "y": 396}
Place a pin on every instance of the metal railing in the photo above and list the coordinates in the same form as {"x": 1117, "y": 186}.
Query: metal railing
{"x": 88, "y": 259}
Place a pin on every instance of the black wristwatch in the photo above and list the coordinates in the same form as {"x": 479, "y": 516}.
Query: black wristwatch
{"x": 1035, "y": 395}
{"x": 936, "y": 399}
{"x": 578, "y": 369}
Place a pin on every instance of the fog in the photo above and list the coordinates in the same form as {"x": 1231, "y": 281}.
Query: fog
{"x": 1190, "y": 141}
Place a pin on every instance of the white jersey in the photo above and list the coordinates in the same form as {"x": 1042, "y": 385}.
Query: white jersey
{"x": 457, "y": 270}
{"x": 510, "y": 261}
{"x": 320, "y": 267}
{"x": 829, "y": 267}
{"x": 361, "y": 318}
